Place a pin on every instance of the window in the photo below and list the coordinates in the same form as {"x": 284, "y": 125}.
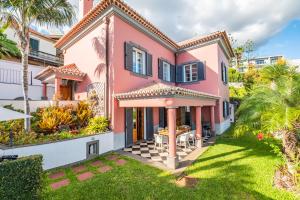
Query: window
{"x": 190, "y": 72}
{"x": 226, "y": 109}
{"x": 260, "y": 62}
{"x": 166, "y": 71}
{"x": 34, "y": 44}
{"x": 139, "y": 61}
{"x": 224, "y": 73}
{"x": 274, "y": 60}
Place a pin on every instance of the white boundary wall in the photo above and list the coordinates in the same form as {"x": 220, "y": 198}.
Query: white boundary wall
{"x": 19, "y": 104}
{"x": 222, "y": 127}
{"x": 62, "y": 153}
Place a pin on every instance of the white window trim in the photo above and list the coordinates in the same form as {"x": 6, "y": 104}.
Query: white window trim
{"x": 190, "y": 69}
{"x": 168, "y": 72}
{"x": 135, "y": 51}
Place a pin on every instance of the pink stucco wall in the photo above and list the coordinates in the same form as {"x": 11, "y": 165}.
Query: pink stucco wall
{"x": 124, "y": 80}
{"x": 88, "y": 54}
{"x": 212, "y": 55}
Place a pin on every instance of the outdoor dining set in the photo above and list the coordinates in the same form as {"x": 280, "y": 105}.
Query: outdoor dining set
{"x": 185, "y": 137}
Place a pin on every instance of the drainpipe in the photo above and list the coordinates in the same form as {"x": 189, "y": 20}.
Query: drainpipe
{"x": 107, "y": 115}
{"x": 176, "y": 54}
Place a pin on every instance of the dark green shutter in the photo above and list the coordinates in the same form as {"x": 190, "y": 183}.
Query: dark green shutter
{"x": 179, "y": 73}
{"x": 162, "y": 117}
{"x": 224, "y": 111}
{"x": 128, "y": 127}
{"x": 226, "y": 74}
{"x": 172, "y": 71}
{"x": 34, "y": 44}
{"x": 201, "y": 71}
{"x": 128, "y": 56}
{"x": 222, "y": 71}
{"x": 149, "y": 124}
{"x": 160, "y": 69}
{"x": 149, "y": 64}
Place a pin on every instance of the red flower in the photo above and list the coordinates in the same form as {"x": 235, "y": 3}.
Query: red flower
{"x": 260, "y": 136}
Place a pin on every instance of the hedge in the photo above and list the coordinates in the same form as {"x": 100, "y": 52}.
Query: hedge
{"x": 21, "y": 178}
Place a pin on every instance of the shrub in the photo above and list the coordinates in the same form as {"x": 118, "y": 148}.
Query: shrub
{"x": 83, "y": 113}
{"x": 98, "y": 125}
{"x": 21, "y": 178}
{"x": 53, "y": 117}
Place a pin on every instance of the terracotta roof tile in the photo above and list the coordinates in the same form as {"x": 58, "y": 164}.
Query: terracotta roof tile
{"x": 70, "y": 69}
{"x": 162, "y": 90}
{"x": 104, "y": 4}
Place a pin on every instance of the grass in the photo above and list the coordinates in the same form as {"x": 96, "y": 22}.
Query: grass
{"x": 240, "y": 168}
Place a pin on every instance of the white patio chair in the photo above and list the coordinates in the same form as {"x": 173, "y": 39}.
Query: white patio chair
{"x": 184, "y": 139}
{"x": 160, "y": 140}
{"x": 192, "y": 137}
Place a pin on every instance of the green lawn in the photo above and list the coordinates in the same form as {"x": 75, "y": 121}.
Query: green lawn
{"x": 231, "y": 169}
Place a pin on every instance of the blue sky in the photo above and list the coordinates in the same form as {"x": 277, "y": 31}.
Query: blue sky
{"x": 273, "y": 25}
{"x": 286, "y": 42}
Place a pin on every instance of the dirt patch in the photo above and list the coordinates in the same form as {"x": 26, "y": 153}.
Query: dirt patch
{"x": 187, "y": 181}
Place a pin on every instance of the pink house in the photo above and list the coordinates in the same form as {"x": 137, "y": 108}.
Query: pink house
{"x": 143, "y": 79}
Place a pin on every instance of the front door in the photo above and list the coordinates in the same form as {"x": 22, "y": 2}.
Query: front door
{"x": 138, "y": 124}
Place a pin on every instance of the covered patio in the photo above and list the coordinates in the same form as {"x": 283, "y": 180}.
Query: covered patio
{"x": 64, "y": 79}
{"x": 171, "y": 98}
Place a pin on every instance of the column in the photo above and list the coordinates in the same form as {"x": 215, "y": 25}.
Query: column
{"x": 212, "y": 120}
{"x": 198, "y": 127}
{"x": 57, "y": 83}
{"x": 172, "y": 160}
{"x": 44, "y": 96}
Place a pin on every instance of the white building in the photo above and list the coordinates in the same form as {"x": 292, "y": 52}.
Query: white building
{"x": 258, "y": 62}
{"x": 42, "y": 53}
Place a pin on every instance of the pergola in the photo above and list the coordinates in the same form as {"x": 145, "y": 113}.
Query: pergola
{"x": 171, "y": 97}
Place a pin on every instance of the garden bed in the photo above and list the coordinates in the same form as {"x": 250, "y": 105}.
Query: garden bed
{"x": 53, "y": 124}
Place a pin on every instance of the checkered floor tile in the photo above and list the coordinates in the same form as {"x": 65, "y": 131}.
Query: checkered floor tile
{"x": 148, "y": 150}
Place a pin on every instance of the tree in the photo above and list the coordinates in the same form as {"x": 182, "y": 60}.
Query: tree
{"x": 8, "y": 48}
{"x": 250, "y": 78}
{"x": 235, "y": 76}
{"x": 20, "y": 15}
{"x": 273, "y": 107}
{"x": 248, "y": 48}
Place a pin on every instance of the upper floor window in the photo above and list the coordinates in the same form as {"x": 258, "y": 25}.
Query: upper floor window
{"x": 139, "y": 61}
{"x": 166, "y": 71}
{"x": 34, "y": 44}
{"x": 190, "y": 72}
{"x": 224, "y": 74}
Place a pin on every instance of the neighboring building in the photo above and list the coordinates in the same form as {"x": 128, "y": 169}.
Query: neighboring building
{"x": 42, "y": 53}
{"x": 296, "y": 63}
{"x": 257, "y": 62}
{"x": 143, "y": 79}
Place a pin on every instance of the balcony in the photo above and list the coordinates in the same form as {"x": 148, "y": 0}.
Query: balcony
{"x": 46, "y": 57}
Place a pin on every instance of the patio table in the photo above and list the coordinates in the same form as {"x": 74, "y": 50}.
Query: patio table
{"x": 178, "y": 132}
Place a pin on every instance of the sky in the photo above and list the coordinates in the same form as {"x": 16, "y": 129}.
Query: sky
{"x": 273, "y": 25}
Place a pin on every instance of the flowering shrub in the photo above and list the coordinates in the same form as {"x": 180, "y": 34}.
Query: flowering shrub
{"x": 260, "y": 136}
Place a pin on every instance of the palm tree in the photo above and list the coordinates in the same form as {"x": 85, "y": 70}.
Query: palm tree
{"x": 238, "y": 52}
{"x": 273, "y": 107}
{"x": 21, "y": 14}
{"x": 8, "y": 48}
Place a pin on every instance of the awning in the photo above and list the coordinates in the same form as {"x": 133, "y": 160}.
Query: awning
{"x": 69, "y": 72}
{"x": 164, "y": 95}
{"x": 6, "y": 114}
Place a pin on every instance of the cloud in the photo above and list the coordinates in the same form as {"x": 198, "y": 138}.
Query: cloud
{"x": 243, "y": 19}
